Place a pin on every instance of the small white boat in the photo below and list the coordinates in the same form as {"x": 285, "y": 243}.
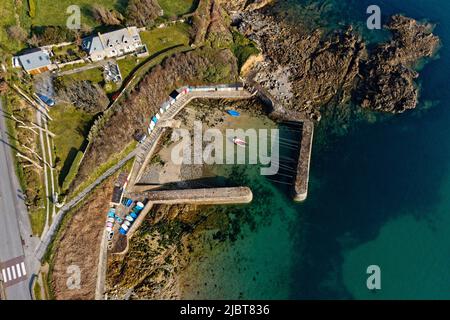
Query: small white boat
{"x": 239, "y": 142}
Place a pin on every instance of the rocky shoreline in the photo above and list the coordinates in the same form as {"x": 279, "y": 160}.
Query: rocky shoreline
{"x": 308, "y": 71}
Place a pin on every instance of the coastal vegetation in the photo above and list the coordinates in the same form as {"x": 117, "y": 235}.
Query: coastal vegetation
{"x": 243, "y": 48}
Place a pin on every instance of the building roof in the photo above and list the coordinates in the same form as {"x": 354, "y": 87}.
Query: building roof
{"x": 110, "y": 39}
{"x": 92, "y": 44}
{"x": 34, "y": 60}
{"x": 117, "y": 194}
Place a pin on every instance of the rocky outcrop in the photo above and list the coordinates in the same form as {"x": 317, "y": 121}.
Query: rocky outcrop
{"x": 387, "y": 77}
{"x": 304, "y": 71}
{"x": 241, "y": 5}
{"x": 307, "y": 71}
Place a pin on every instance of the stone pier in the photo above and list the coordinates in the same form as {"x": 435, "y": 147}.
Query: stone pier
{"x": 304, "y": 160}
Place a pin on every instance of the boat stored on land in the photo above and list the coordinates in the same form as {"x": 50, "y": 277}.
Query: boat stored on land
{"x": 239, "y": 142}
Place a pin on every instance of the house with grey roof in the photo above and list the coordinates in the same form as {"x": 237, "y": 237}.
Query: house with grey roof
{"x": 34, "y": 62}
{"x": 113, "y": 44}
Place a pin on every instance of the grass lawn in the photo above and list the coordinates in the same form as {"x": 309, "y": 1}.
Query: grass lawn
{"x": 37, "y": 221}
{"x": 156, "y": 40}
{"x": 127, "y": 65}
{"x": 37, "y": 291}
{"x": 174, "y": 8}
{"x": 8, "y": 18}
{"x": 53, "y": 13}
{"x": 162, "y": 38}
{"x": 100, "y": 170}
{"x": 70, "y": 125}
{"x": 95, "y": 75}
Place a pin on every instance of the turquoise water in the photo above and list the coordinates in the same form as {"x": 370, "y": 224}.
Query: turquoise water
{"x": 379, "y": 195}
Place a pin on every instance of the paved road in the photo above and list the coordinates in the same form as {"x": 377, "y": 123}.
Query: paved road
{"x": 16, "y": 242}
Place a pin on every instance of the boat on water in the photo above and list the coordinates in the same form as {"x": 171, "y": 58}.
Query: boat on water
{"x": 239, "y": 142}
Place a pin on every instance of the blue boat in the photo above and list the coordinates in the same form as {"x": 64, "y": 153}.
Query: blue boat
{"x": 233, "y": 113}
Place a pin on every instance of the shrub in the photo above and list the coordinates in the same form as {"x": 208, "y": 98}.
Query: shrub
{"x": 142, "y": 13}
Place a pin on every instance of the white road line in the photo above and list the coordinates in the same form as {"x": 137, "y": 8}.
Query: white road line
{"x": 9, "y": 273}
{"x": 13, "y": 272}
{"x": 23, "y": 269}
{"x": 5, "y": 279}
{"x": 19, "y": 273}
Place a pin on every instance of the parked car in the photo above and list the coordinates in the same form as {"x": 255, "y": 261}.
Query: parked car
{"x": 122, "y": 231}
{"x": 129, "y": 218}
{"x": 127, "y": 223}
{"x": 46, "y": 100}
{"x": 134, "y": 215}
{"x": 124, "y": 227}
{"x": 111, "y": 219}
{"x": 128, "y": 203}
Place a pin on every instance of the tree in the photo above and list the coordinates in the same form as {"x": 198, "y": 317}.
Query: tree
{"x": 47, "y": 35}
{"x": 84, "y": 94}
{"x": 142, "y": 13}
{"x": 105, "y": 16}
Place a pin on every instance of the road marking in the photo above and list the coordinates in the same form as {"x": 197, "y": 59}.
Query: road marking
{"x": 23, "y": 269}
{"x": 13, "y": 271}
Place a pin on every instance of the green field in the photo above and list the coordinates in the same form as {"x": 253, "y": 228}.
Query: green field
{"x": 162, "y": 38}
{"x": 156, "y": 40}
{"x": 53, "y": 13}
{"x": 70, "y": 126}
{"x": 95, "y": 75}
{"x": 8, "y": 14}
{"x": 175, "y": 8}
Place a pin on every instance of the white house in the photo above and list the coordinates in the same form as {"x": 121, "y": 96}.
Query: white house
{"x": 113, "y": 44}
